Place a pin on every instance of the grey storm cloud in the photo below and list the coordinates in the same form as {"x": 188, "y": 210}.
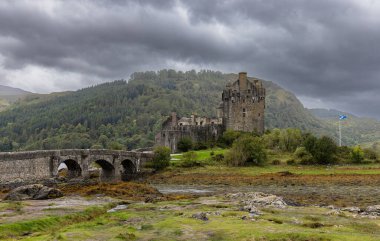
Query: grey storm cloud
{"x": 326, "y": 52}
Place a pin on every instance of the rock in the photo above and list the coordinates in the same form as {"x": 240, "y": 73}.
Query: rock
{"x": 258, "y": 198}
{"x": 351, "y": 209}
{"x": 252, "y": 210}
{"x": 201, "y": 216}
{"x": 33, "y": 192}
{"x": 331, "y": 207}
{"x": 117, "y": 208}
{"x": 373, "y": 209}
{"x": 334, "y": 212}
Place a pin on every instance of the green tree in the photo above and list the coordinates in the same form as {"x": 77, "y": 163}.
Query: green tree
{"x": 357, "y": 154}
{"x": 161, "y": 158}
{"x": 229, "y": 136}
{"x": 310, "y": 143}
{"x": 369, "y": 153}
{"x": 290, "y": 139}
{"x": 246, "y": 149}
{"x": 185, "y": 144}
{"x": 114, "y": 145}
{"x": 325, "y": 150}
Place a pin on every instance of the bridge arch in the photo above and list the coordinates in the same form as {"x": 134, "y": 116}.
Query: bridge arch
{"x": 128, "y": 170}
{"x": 107, "y": 169}
{"x": 73, "y": 168}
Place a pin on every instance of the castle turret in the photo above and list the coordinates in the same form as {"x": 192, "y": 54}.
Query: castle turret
{"x": 174, "y": 119}
{"x": 243, "y": 81}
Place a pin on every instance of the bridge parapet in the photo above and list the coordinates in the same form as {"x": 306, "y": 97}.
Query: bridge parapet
{"x": 36, "y": 165}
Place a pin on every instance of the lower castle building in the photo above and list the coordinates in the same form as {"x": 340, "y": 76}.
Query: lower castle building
{"x": 242, "y": 109}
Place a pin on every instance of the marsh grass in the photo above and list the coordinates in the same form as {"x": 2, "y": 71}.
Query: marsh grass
{"x": 49, "y": 223}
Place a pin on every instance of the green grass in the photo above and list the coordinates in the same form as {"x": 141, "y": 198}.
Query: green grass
{"x": 204, "y": 157}
{"x": 153, "y": 222}
{"x": 50, "y": 223}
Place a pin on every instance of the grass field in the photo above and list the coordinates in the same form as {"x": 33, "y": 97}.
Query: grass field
{"x": 173, "y": 221}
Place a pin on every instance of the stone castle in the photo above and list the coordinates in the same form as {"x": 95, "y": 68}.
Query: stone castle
{"x": 242, "y": 109}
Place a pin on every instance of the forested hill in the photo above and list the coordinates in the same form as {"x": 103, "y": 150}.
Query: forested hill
{"x": 128, "y": 115}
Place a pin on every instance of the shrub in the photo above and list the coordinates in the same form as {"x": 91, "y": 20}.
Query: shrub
{"x": 276, "y": 162}
{"x": 161, "y": 157}
{"x": 344, "y": 153}
{"x": 370, "y": 154}
{"x": 185, "y": 144}
{"x": 217, "y": 157}
{"x": 303, "y": 156}
{"x": 246, "y": 149}
{"x": 291, "y": 162}
{"x": 357, "y": 155}
{"x": 189, "y": 159}
{"x": 199, "y": 146}
{"x": 96, "y": 146}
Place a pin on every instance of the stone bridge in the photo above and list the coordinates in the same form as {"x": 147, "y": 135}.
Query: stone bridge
{"x": 41, "y": 165}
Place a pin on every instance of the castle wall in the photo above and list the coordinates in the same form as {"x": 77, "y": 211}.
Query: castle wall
{"x": 170, "y": 136}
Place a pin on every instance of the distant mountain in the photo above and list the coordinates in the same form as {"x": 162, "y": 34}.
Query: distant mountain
{"x": 329, "y": 114}
{"x": 9, "y": 95}
{"x": 127, "y": 115}
{"x": 12, "y": 94}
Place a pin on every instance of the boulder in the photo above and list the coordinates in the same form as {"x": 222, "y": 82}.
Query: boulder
{"x": 201, "y": 216}
{"x": 33, "y": 192}
{"x": 252, "y": 210}
{"x": 259, "y": 199}
{"x": 374, "y": 210}
{"x": 351, "y": 209}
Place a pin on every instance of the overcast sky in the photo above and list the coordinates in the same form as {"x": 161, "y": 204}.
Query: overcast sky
{"x": 326, "y": 52}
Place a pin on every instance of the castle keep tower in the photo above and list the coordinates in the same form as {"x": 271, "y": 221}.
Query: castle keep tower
{"x": 243, "y": 105}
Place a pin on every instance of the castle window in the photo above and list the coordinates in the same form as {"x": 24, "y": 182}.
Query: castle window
{"x": 259, "y": 114}
{"x": 201, "y": 123}
{"x": 180, "y": 124}
{"x": 243, "y": 112}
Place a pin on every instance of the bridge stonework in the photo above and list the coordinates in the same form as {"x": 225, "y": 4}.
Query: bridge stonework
{"x": 32, "y": 166}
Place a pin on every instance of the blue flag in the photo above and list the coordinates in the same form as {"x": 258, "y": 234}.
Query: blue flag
{"x": 342, "y": 117}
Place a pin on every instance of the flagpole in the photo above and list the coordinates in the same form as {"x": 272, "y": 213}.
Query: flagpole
{"x": 340, "y": 134}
